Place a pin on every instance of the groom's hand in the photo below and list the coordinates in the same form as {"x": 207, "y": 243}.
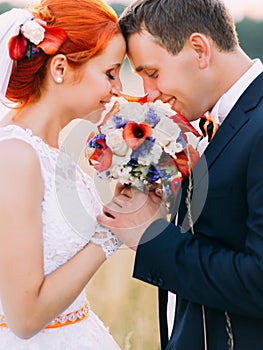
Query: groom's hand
{"x": 130, "y": 212}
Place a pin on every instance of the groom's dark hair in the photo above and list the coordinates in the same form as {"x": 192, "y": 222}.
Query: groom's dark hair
{"x": 171, "y": 22}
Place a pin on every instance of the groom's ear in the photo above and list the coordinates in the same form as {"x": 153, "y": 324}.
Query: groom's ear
{"x": 202, "y": 47}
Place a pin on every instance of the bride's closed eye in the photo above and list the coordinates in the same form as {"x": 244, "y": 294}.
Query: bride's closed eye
{"x": 111, "y": 74}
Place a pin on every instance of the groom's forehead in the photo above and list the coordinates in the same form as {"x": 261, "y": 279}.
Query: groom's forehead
{"x": 140, "y": 40}
{"x": 145, "y": 54}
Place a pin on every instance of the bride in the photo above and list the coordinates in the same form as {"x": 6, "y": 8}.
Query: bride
{"x": 59, "y": 61}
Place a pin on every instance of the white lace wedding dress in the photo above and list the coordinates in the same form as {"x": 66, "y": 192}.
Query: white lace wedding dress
{"x": 69, "y": 209}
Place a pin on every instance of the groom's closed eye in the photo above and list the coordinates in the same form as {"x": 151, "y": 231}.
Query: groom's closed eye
{"x": 151, "y": 73}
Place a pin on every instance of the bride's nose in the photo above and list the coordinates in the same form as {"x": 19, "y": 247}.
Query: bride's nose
{"x": 116, "y": 88}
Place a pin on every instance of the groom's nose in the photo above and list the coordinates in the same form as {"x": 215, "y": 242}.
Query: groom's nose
{"x": 151, "y": 89}
{"x": 153, "y": 95}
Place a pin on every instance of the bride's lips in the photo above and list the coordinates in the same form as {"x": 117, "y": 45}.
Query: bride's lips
{"x": 103, "y": 103}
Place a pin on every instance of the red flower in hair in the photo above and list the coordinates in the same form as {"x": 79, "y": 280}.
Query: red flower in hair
{"x": 33, "y": 36}
{"x": 17, "y": 47}
{"x": 54, "y": 39}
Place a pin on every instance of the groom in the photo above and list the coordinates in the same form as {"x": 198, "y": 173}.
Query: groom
{"x": 187, "y": 53}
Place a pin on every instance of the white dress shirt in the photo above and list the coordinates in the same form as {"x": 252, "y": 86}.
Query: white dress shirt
{"x": 220, "y": 112}
{"x": 229, "y": 99}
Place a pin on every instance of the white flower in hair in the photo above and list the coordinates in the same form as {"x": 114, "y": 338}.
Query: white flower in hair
{"x": 33, "y": 31}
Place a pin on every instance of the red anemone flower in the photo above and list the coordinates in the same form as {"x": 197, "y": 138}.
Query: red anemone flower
{"x": 135, "y": 134}
{"x": 181, "y": 160}
{"x": 101, "y": 158}
{"x": 184, "y": 125}
{"x": 139, "y": 99}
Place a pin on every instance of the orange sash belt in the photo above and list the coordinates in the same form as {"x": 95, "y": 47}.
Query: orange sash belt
{"x": 61, "y": 320}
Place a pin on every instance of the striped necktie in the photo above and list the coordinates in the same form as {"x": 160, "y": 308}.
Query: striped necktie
{"x": 208, "y": 126}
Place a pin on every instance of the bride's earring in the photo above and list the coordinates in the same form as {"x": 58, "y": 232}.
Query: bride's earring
{"x": 59, "y": 80}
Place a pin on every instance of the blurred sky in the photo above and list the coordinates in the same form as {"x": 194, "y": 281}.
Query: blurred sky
{"x": 239, "y": 8}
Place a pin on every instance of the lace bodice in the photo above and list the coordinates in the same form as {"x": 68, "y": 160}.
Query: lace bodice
{"x": 69, "y": 207}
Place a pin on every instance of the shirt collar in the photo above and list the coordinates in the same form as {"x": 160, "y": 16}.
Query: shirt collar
{"x": 229, "y": 99}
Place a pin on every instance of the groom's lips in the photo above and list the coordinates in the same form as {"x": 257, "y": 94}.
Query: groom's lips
{"x": 171, "y": 102}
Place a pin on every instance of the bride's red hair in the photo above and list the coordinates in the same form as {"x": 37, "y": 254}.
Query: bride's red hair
{"x": 89, "y": 24}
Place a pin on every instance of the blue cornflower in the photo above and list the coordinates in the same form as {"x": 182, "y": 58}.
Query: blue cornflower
{"x": 119, "y": 121}
{"x": 154, "y": 173}
{"x": 152, "y": 118}
{"x": 133, "y": 163}
{"x": 144, "y": 149}
{"x": 181, "y": 140}
{"x": 93, "y": 141}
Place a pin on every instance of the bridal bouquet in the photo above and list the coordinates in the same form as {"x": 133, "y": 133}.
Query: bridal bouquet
{"x": 142, "y": 142}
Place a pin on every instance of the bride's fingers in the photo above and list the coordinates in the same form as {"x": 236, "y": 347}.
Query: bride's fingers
{"x": 114, "y": 206}
{"x": 127, "y": 191}
{"x": 157, "y": 188}
{"x": 118, "y": 188}
{"x": 159, "y": 192}
{"x": 105, "y": 220}
{"x": 153, "y": 185}
{"x": 118, "y": 205}
{"x": 132, "y": 192}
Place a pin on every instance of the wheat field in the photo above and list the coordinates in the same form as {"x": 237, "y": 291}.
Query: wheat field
{"x": 127, "y": 306}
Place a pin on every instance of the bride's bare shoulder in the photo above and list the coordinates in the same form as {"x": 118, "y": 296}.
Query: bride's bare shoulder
{"x": 18, "y": 156}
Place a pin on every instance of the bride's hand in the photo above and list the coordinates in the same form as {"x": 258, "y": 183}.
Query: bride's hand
{"x": 131, "y": 211}
{"x": 153, "y": 189}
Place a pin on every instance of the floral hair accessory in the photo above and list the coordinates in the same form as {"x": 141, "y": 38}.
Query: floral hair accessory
{"x": 35, "y": 35}
{"x": 142, "y": 143}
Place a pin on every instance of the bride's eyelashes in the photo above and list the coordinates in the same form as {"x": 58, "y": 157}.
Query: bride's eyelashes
{"x": 110, "y": 74}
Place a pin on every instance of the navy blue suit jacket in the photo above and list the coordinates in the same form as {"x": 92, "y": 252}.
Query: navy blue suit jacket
{"x": 221, "y": 265}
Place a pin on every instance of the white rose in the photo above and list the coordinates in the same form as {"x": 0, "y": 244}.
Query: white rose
{"x": 166, "y": 131}
{"x": 161, "y": 109}
{"x": 115, "y": 141}
{"x": 134, "y": 111}
{"x": 122, "y": 160}
{"x": 33, "y": 31}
